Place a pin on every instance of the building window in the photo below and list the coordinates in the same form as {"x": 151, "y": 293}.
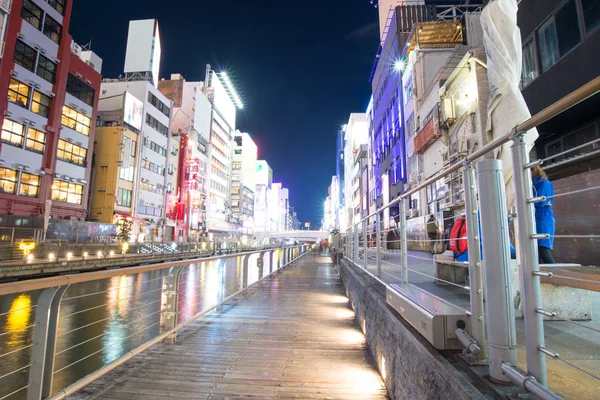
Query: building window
{"x": 58, "y": 5}
{"x": 32, "y": 14}
{"x": 25, "y": 56}
{"x": 237, "y": 165}
{"x": 548, "y": 48}
{"x": 124, "y": 197}
{"x": 154, "y": 123}
{"x": 591, "y": 14}
{"x": 52, "y": 29}
{"x": 76, "y": 121}
{"x": 30, "y": 185}
{"x": 8, "y": 180}
{"x": 159, "y": 105}
{"x": 71, "y": 153}
{"x": 567, "y": 27}
{"x": 46, "y": 69}
{"x": 127, "y": 173}
{"x": 170, "y": 169}
{"x": 67, "y": 191}
{"x": 13, "y": 133}
{"x": 18, "y": 93}
{"x": 40, "y": 104}
{"x": 36, "y": 140}
{"x": 156, "y": 147}
{"x": 530, "y": 70}
{"x": 78, "y": 89}
{"x": 150, "y": 166}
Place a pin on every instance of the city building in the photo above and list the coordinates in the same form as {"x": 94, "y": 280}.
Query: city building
{"x": 135, "y": 101}
{"x": 188, "y": 161}
{"x": 262, "y": 197}
{"x": 48, "y": 113}
{"x": 224, "y": 99}
{"x": 355, "y": 164}
{"x": 561, "y": 52}
{"x": 243, "y": 183}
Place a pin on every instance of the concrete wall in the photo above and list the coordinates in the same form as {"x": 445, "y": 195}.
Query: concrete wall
{"x": 413, "y": 368}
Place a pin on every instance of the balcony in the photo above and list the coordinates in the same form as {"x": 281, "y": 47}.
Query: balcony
{"x": 427, "y": 135}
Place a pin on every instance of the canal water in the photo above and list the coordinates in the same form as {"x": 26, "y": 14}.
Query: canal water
{"x": 102, "y": 320}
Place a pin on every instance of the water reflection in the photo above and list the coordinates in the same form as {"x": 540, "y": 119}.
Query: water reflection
{"x": 99, "y": 321}
{"x": 18, "y": 319}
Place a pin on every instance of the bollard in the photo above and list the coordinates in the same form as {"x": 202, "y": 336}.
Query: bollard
{"x": 499, "y": 313}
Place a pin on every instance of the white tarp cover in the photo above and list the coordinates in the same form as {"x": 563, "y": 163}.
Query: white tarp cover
{"x": 506, "y": 106}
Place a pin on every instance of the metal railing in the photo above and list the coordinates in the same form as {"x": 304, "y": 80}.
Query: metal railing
{"x": 502, "y": 282}
{"x": 73, "y": 329}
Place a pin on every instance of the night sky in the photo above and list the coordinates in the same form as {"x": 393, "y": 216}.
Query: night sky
{"x": 300, "y": 66}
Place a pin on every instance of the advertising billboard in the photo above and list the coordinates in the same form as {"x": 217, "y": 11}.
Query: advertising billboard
{"x": 133, "y": 111}
{"x": 264, "y": 173}
{"x": 222, "y": 101}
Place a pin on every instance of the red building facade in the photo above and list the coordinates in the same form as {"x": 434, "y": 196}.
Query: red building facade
{"x": 48, "y": 107}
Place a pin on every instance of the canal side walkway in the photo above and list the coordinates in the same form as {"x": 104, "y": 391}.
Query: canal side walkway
{"x": 291, "y": 336}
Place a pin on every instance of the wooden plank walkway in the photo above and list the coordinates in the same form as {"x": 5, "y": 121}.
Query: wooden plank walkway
{"x": 291, "y": 336}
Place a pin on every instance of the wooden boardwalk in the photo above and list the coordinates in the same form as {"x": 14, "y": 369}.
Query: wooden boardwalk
{"x": 291, "y": 336}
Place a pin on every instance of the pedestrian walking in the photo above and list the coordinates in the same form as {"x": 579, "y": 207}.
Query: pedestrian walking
{"x": 544, "y": 215}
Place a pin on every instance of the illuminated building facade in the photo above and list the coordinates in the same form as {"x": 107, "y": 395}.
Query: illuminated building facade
{"x": 262, "y": 197}
{"x": 47, "y": 110}
{"x": 355, "y": 163}
{"x": 219, "y": 91}
{"x": 243, "y": 182}
{"x": 188, "y": 162}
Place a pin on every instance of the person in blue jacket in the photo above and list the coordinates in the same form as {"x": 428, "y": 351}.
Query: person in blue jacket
{"x": 544, "y": 216}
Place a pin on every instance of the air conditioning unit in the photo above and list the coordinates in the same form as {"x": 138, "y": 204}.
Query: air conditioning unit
{"x": 76, "y": 49}
{"x": 446, "y": 112}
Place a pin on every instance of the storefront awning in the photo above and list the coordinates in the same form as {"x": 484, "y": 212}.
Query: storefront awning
{"x": 129, "y": 216}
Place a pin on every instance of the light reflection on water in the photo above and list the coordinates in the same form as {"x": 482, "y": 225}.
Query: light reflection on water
{"x": 101, "y": 320}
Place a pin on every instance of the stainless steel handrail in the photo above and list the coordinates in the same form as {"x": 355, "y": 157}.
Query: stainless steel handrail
{"x": 43, "y": 283}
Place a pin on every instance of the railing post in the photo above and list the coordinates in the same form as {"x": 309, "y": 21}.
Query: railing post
{"x": 378, "y": 244}
{"x": 499, "y": 312}
{"x": 475, "y": 270}
{"x": 245, "y": 269}
{"x": 365, "y": 244}
{"x": 171, "y": 293}
{"x": 528, "y": 257}
{"x": 44, "y": 343}
{"x": 355, "y": 243}
{"x": 403, "y": 241}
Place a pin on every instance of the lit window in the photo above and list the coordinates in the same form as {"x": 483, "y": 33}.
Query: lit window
{"x": 124, "y": 197}
{"x": 52, "y": 29}
{"x": 30, "y": 185}
{"x": 12, "y": 133}
{"x": 32, "y": 14}
{"x": 40, "y": 104}
{"x": 76, "y": 121}
{"x": 71, "y": 153}
{"x": 46, "y": 69}
{"x": 36, "y": 140}
{"x": 67, "y": 191}
{"x": 127, "y": 173}
{"x": 18, "y": 93}
{"x": 8, "y": 180}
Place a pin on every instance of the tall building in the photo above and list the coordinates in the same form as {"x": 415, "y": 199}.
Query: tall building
{"x": 220, "y": 92}
{"x": 262, "y": 197}
{"x": 48, "y": 112}
{"x": 136, "y": 103}
{"x": 191, "y": 129}
{"x": 355, "y": 162}
{"x": 243, "y": 182}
